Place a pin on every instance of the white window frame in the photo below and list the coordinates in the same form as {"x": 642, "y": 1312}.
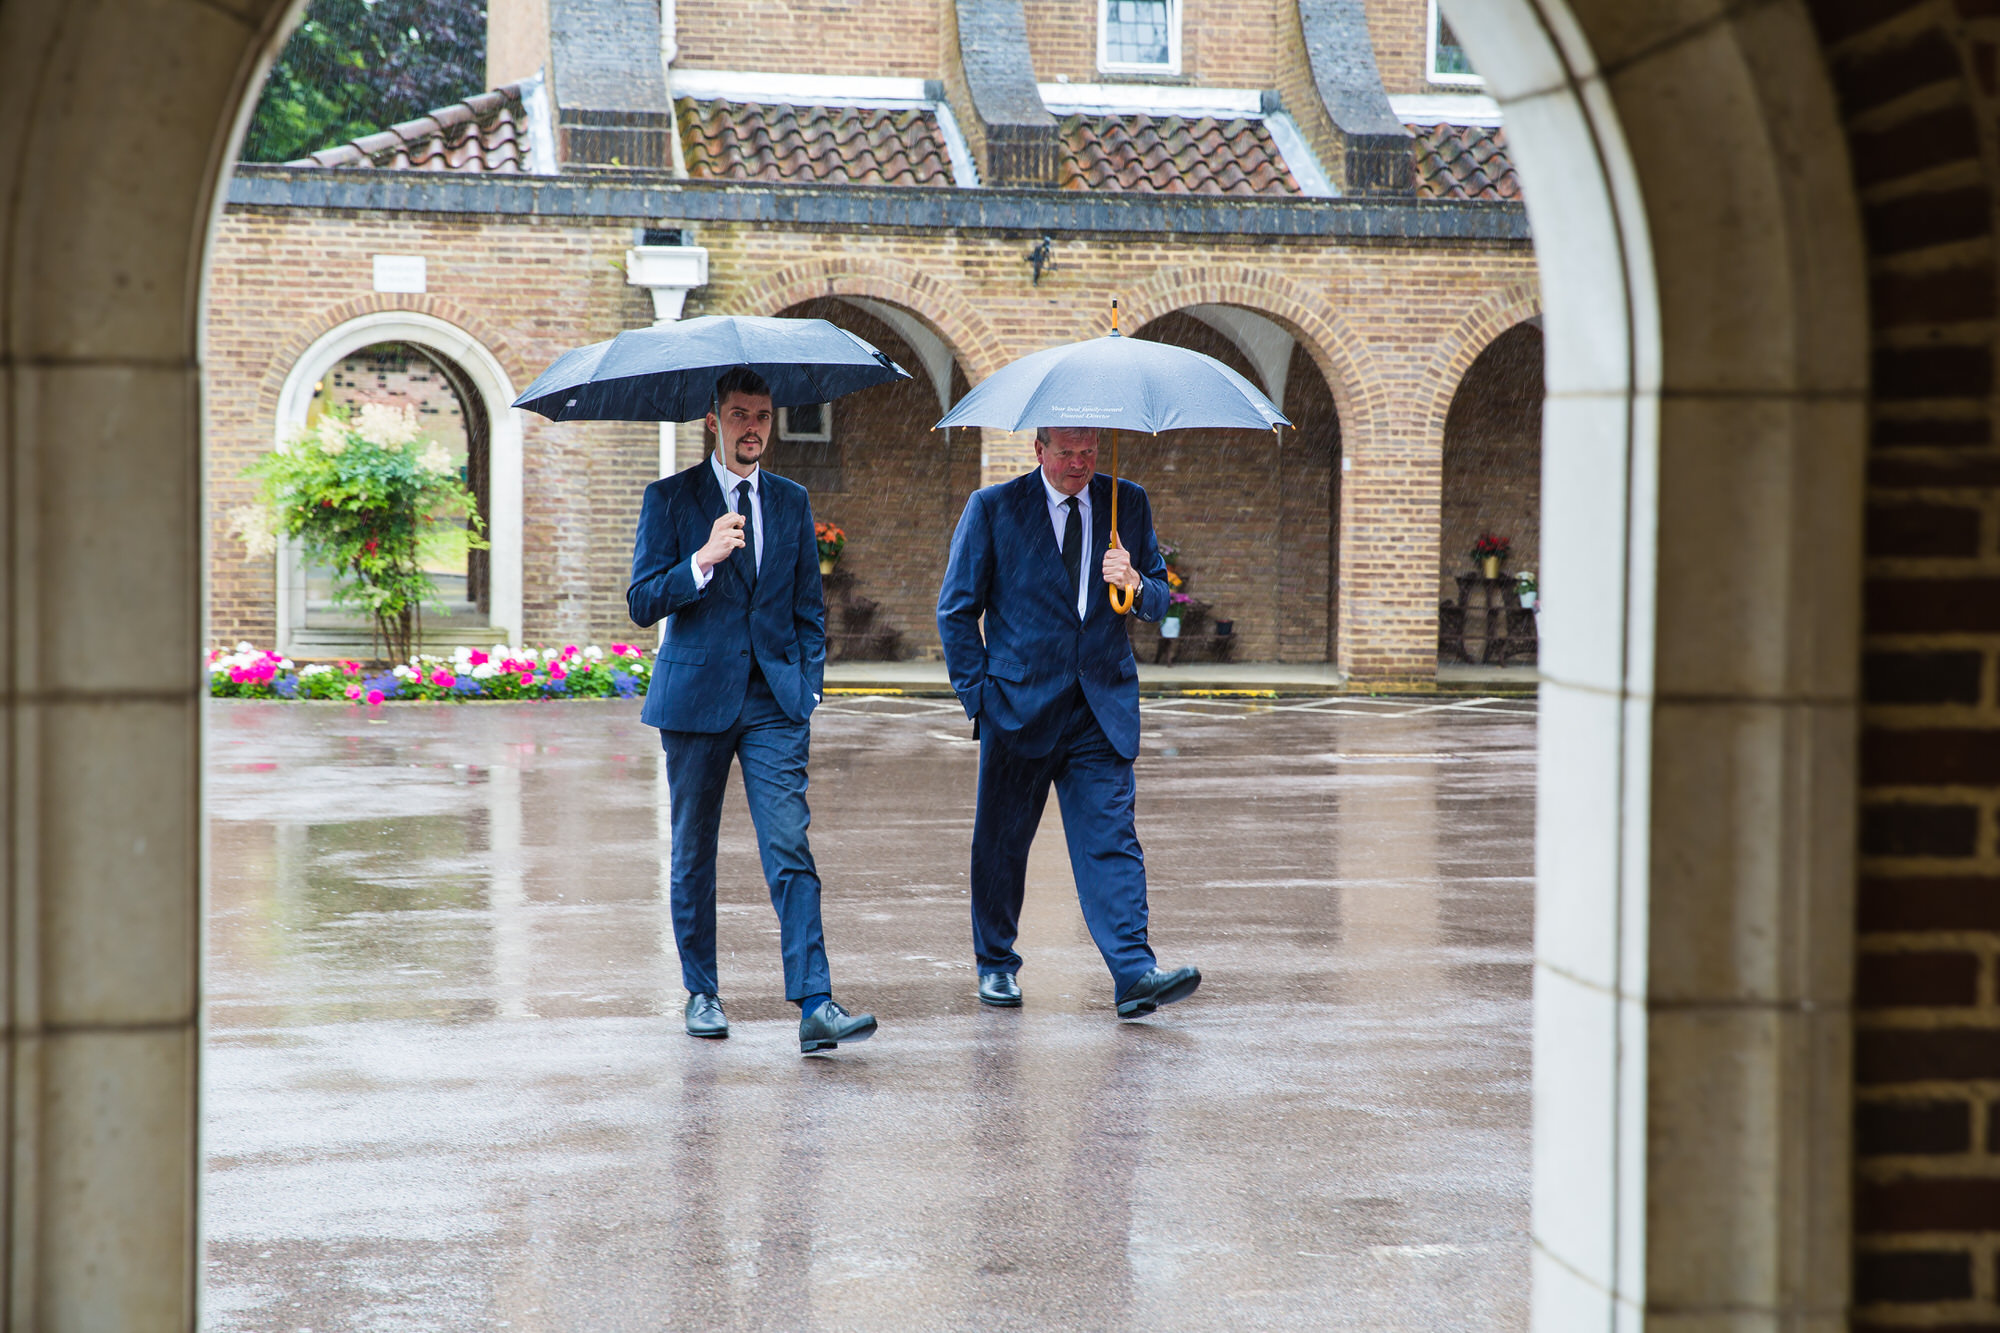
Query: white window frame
{"x": 823, "y": 436}
{"x": 1107, "y": 66}
{"x": 1431, "y": 57}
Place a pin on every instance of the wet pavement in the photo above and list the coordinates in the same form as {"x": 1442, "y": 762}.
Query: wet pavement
{"x": 447, "y": 1086}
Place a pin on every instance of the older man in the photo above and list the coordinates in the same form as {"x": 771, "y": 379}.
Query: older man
{"x": 1053, "y": 693}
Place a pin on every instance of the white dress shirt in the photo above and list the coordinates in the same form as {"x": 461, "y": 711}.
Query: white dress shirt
{"x": 1059, "y": 516}
{"x": 729, "y": 481}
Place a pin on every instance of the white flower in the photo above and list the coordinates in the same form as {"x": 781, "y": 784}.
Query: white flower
{"x": 594, "y": 653}
{"x": 245, "y": 648}
{"x": 405, "y": 671}
{"x": 462, "y": 654}
{"x": 435, "y": 459}
{"x": 252, "y": 525}
{"x": 390, "y": 425}
{"x": 485, "y": 671}
{"x": 502, "y": 650}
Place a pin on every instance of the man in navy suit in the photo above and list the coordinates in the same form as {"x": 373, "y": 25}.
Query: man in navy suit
{"x": 726, "y": 555}
{"x": 1053, "y": 693}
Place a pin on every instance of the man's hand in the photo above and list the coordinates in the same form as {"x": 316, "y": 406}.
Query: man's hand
{"x": 1118, "y": 570}
{"x": 726, "y": 536}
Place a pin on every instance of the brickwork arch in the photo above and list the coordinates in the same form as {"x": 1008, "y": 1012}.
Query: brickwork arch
{"x": 1359, "y": 394}
{"x": 972, "y": 341}
{"x": 1457, "y": 350}
{"x": 286, "y": 353}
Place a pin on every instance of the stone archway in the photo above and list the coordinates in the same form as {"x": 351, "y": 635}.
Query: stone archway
{"x": 1707, "y": 364}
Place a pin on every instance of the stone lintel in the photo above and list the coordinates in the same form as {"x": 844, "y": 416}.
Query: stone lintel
{"x": 659, "y": 198}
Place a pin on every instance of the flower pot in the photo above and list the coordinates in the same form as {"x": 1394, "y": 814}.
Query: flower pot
{"x": 826, "y": 566}
{"x": 1224, "y": 628}
{"x": 1170, "y": 628}
{"x": 1490, "y": 566}
{"x": 1528, "y": 601}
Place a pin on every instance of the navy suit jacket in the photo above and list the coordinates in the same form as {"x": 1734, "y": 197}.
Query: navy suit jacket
{"x": 703, "y": 667}
{"x": 1006, "y": 566}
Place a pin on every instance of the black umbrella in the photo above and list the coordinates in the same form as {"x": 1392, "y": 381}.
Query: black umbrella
{"x": 668, "y": 372}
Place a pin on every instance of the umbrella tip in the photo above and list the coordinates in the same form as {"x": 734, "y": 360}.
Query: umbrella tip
{"x": 1114, "y": 317}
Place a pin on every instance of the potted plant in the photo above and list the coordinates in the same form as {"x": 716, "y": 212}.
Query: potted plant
{"x": 1177, "y": 594}
{"x": 368, "y": 494}
{"x": 832, "y": 541}
{"x": 1525, "y": 587}
{"x": 1488, "y": 552}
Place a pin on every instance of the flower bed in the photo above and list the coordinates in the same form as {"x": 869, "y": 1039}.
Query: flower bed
{"x": 503, "y": 672}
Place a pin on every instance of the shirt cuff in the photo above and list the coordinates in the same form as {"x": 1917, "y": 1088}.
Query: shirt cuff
{"x": 700, "y": 578}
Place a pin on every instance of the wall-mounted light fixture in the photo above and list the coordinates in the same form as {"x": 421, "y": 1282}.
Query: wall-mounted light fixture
{"x": 1042, "y": 259}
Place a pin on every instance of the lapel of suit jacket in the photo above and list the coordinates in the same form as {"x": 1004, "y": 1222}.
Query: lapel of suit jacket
{"x": 773, "y": 511}
{"x": 1032, "y": 510}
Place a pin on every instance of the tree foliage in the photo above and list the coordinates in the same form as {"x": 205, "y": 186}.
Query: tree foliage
{"x": 358, "y": 66}
{"x": 371, "y": 496}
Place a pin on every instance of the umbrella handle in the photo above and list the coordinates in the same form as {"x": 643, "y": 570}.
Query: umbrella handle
{"x": 1121, "y": 598}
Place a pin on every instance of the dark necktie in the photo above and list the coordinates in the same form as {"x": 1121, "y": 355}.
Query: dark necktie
{"x": 749, "y": 532}
{"x": 1072, "y": 552}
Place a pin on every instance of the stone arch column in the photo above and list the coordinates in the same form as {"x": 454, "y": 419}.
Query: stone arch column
{"x": 1703, "y": 280}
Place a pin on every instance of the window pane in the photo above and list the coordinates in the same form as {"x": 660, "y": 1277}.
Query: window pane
{"x": 1135, "y": 32}
{"x": 1451, "y": 57}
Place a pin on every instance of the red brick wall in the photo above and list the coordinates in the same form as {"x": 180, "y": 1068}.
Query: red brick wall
{"x": 1917, "y": 86}
{"x": 1223, "y": 45}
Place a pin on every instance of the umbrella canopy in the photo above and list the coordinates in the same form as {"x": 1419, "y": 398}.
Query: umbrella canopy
{"x": 668, "y": 372}
{"x": 1118, "y": 383}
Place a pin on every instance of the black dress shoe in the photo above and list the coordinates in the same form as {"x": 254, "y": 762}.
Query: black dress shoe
{"x": 1000, "y": 990}
{"x": 705, "y": 1017}
{"x": 829, "y": 1025}
{"x": 1157, "y": 988}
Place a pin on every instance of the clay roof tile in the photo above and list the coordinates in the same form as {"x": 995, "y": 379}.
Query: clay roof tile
{"x": 484, "y": 133}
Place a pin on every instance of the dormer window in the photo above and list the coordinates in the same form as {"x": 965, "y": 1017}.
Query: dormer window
{"x": 1139, "y": 36}
{"x": 1448, "y": 61}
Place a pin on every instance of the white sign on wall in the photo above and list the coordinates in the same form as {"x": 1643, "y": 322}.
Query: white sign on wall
{"x": 399, "y": 273}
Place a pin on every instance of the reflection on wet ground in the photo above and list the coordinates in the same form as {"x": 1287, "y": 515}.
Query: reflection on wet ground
{"x": 447, "y": 1086}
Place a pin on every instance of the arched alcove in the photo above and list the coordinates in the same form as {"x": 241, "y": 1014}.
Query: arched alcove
{"x": 476, "y": 377}
{"x": 1492, "y": 485}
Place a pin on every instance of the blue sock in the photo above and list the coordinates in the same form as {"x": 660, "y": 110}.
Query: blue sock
{"x": 812, "y": 1002}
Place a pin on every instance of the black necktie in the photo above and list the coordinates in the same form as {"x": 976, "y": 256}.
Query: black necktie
{"x": 1072, "y": 552}
{"x": 749, "y": 532}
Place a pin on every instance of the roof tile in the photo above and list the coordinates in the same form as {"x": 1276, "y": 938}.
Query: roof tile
{"x": 1464, "y": 162}
{"x": 829, "y": 145}
{"x": 484, "y": 133}
{"x": 1170, "y": 155}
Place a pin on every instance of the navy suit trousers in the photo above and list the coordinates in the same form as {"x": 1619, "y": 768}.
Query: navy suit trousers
{"x": 772, "y": 750}
{"x": 1095, "y": 790}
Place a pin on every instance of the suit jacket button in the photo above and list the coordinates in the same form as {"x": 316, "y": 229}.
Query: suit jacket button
{"x": 744, "y": 653}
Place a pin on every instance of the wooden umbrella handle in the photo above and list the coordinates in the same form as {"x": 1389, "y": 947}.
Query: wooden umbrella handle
{"x": 1121, "y": 597}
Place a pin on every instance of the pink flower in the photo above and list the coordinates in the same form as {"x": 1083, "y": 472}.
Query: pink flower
{"x": 354, "y": 691}
{"x": 556, "y": 671}
{"x": 350, "y": 668}
{"x": 621, "y": 649}
{"x": 527, "y": 678}
{"x": 374, "y": 697}
{"x": 571, "y": 652}
{"x": 443, "y": 679}
{"x": 479, "y": 659}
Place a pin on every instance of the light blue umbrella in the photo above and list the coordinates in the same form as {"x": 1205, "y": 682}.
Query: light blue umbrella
{"x": 1116, "y": 383}
{"x": 668, "y": 372}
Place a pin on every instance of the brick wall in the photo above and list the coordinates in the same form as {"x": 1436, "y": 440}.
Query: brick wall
{"x": 1916, "y": 83}
{"x": 1396, "y": 28}
{"x": 1387, "y": 330}
{"x": 1223, "y": 45}
{"x": 884, "y": 38}
{"x": 1493, "y": 458}
{"x": 527, "y": 290}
